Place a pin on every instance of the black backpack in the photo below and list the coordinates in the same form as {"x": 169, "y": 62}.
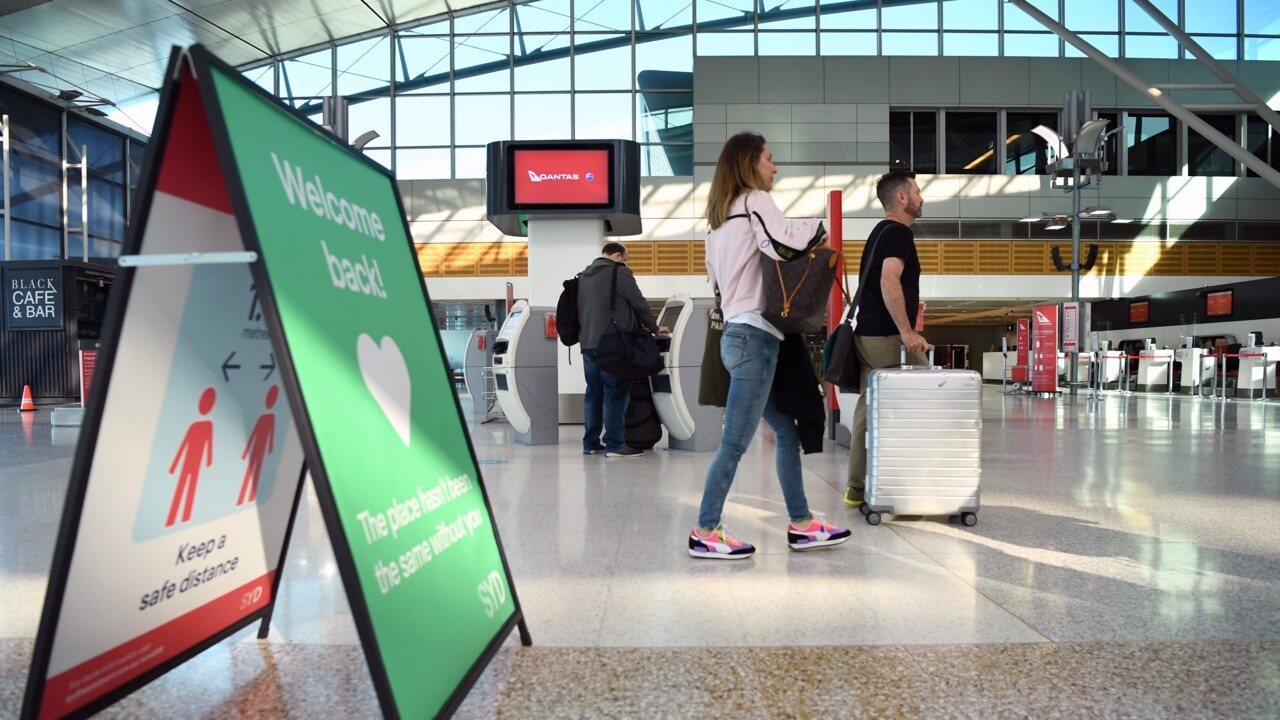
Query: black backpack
{"x": 567, "y": 325}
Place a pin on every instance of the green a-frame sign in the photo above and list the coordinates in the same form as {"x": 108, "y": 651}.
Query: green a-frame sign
{"x": 270, "y": 318}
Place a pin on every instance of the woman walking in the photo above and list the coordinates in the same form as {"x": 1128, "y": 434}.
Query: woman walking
{"x": 747, "y": 228}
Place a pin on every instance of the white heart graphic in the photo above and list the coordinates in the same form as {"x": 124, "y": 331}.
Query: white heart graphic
{"x": 387, "y": 378}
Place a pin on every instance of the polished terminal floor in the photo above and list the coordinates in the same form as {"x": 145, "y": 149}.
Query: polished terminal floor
{"x": 1126, "y": 564}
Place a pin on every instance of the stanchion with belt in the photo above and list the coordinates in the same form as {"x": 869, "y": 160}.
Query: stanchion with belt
{"x": 1124, "y": 370}
{"x": 1096, "y": 372}
{"x": 1264, "y": 378}
{"x": 1213, "y": 391}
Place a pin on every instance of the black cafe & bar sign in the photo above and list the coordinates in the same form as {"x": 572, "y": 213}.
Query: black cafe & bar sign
{"x": 33, "y": 298}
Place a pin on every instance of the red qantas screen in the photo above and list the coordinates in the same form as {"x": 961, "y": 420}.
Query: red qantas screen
{"x": 577, "y": 177}
{"x": 1218, "y": 303}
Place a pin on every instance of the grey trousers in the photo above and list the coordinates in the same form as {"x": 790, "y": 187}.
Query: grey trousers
{"x": 875, "y": 353}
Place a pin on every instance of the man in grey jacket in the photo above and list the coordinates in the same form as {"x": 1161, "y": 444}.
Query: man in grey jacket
{"x": 605, "y": 403}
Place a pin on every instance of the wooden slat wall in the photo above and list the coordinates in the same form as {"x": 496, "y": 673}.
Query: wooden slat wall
{"x": 937, "y": 257}
{"x": 995, "y": 258}
{"x": 1203, "y": 258}
{"x": 1030, "y": 258}
{"x": 930, "y": 257}
{"x": 1236, "y": 259}
{"x": 1266, "y": 259}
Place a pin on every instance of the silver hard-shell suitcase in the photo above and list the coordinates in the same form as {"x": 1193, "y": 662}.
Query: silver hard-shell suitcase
{"x": 924, "y": 445}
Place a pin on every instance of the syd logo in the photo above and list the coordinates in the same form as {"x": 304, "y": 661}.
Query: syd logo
{"x": 493, "y": 593}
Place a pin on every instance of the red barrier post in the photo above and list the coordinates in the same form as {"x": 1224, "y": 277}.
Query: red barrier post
{"x": 835, "y": 305}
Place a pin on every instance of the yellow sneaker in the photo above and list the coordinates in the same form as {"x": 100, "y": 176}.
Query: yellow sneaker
{"x": 852, "y": 496}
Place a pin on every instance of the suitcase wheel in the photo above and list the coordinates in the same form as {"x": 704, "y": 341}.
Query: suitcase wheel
{"x": 968, "y": 519}
{"x": 873, "y": 517}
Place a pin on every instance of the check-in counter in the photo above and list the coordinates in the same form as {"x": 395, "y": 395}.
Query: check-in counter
{"x": 1257, "y": 376}
{"x": 1197, "y": 370}
{"x": 993, "y": 366}
{"x": 1154, "y": 371}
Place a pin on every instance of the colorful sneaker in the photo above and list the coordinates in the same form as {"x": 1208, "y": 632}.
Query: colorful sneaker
{"x": 626, "y": 451}
{"x": 597, "y": 450}
{"x": 719, "y": 546}
{"x": 817, "y": 534}
{"x": 852, "y": 497}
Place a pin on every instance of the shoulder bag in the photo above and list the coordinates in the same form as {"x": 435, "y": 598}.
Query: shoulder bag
{"x": 796, "y": 290}
{"x": 713, "y": 383}
{"x": 841, "y": 365}
{"x": 628, "y": 355}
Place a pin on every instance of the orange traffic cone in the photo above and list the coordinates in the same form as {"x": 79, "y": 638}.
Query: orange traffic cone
{"x": 26, "y": 399}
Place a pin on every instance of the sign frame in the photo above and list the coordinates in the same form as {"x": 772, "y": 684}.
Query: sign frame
{"x": 192, "y": 71}
{"x": 86, "y": 450}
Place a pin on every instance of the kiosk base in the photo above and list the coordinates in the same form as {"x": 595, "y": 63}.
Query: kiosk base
{"x": 538, "y": 435}
{"x": 571, "y": 412}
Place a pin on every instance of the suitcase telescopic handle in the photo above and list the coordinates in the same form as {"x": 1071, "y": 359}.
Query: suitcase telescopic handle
{"x": 903, "y": 357}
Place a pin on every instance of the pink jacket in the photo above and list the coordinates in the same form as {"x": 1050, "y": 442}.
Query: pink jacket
{"x": 735, "y": 250}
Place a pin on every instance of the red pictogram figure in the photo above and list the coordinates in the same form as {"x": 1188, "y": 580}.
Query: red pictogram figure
{"x": 196, "y": 445}
{"x": 261, "y": 442}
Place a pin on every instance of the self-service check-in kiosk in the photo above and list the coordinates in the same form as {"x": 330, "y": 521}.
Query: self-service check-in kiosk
{"x": 477, "y": 371}
{"x": 690, "y": 426}
{"x": 525, "y": 375}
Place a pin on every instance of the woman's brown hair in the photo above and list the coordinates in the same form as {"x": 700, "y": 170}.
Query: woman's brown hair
{"x": 736, "y": 173}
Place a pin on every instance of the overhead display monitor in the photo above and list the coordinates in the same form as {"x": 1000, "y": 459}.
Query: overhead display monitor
{"x": 1218, "y": 304}
{"x": 530, "y": 180}
{"x": 566, "y": 178}
{"x": 1139, "y": 311}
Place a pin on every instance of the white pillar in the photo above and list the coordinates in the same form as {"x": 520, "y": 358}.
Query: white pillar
{"x": 558, "y": 250}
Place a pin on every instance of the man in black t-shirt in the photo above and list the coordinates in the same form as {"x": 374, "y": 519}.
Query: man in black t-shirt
{"x": 889, "y": 305}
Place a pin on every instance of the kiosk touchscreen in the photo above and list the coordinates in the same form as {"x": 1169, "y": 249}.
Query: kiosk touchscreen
{"x": 525, "y": 377}
{"x": 690, "y": 426}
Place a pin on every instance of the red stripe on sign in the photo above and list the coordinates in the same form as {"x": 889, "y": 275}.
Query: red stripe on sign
{"x": 190, "y": 168}
{"x": 90, "y": 680}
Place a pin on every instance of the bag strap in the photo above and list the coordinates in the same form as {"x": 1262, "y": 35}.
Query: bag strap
{"x": 613, "y": 292}
{"x": 862, "y": 277}
{"x": 784, "y": 251}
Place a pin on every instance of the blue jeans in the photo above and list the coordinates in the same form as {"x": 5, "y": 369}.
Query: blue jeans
{"x": 751, "y": 356}
{"x": 604, "y": 406}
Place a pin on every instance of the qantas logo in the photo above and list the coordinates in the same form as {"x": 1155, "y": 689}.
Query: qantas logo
{"x": 541, "y": 177}
{"x": 1044, "y": 319}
